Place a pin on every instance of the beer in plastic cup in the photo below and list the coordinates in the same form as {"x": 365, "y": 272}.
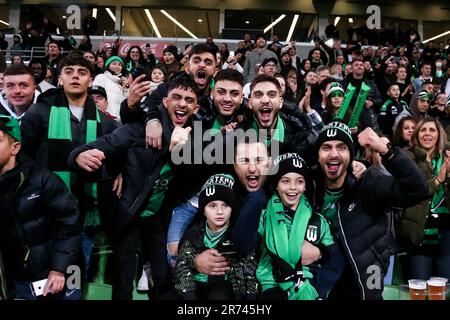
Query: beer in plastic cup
{"x": 417, "y": 289}
{"x": 437, "y": 288}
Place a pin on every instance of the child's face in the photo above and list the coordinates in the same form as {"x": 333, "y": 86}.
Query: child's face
{"x": 394, "y": 92}
{"x": 157, "y": 76}
{"x": 217, "y": 214}
{"x": 7, "y": 149}
{"x": 290, "y": 188}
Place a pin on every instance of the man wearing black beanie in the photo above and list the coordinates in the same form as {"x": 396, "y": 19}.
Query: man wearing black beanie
{"x": 356, "y": 208}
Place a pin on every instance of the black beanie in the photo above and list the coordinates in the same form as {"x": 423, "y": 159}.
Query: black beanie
{"x": 217, "y": 187}
{"x": 336, "y": 130}
{"x": 289, "y": 162}
{"x": 173, "y": 50}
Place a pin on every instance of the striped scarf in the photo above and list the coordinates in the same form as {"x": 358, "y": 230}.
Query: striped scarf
{"x": 60, "y": 145}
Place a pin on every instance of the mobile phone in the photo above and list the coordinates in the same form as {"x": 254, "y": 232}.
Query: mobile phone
{"x": 228, "y": 253}
{"x": 37, "y": 287}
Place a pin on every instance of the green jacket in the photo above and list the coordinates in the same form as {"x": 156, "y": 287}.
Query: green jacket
{"x": 411, "y": 227}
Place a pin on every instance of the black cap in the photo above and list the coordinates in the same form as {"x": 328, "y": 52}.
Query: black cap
{"x": 267, "y": 60}
{"x": 98, "y": 90}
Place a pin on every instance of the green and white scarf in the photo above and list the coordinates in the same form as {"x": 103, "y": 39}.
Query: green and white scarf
{"x": 211, "y": 240}
{"x": 60, "y": 145}
{"x": 438, "y": 204}
{"x": 287, "y": 245}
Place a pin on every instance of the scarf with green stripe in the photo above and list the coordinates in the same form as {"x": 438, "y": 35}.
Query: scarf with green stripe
{"x": 287, "y": 245}
{"x": 60, "y": 144}
{"x": 211, "y": 240}
{"x": 278, "y": 133}
{"x": 438, "y": 204}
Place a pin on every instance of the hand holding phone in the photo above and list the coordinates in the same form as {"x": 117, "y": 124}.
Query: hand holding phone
{"x": 37, "y": 287}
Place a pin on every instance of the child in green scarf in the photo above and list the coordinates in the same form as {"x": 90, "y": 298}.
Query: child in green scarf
{"x": 216, "y": 202}
{"x": 287, "y": 222}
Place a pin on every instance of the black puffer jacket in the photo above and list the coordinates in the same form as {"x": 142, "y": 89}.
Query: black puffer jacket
{"x": 362, "y": 229}
{"x": 40, "y": 225}
{"x": 142, "y": 166}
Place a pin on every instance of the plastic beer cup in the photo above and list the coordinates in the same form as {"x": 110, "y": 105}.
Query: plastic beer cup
{"x": 437, "y": 288}
{"x": 417, "y": 289}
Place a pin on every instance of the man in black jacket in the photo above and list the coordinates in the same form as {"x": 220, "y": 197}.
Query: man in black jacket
{"x": 146, "y": 179}
{"x": 356, "y": 208}
{"x": 201, "y": 68}
{"x": 289, "y": 127}
{"x": 62, "y": 119}
{"x": 40, "y": 227}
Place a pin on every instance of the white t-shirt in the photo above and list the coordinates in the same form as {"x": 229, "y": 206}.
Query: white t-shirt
{"x": 77, "y": 112}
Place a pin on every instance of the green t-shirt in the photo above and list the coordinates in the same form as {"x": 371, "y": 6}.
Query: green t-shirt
{"x": 329, "y": 209}
{"x": 159, "y": 190}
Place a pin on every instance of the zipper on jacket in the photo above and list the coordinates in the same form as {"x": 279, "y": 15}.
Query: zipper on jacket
{"x": 27, "y": 255}
{"x": 3, "y": 294}
{"x": 350, "y": 253}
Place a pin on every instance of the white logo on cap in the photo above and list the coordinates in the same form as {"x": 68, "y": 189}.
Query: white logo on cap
{"x": 297, "y": 163}
{"x": 210, "y": 191}
{"x": 331, "y": 132}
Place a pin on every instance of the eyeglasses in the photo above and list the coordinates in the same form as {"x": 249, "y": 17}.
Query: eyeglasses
{"x": 270, "y": 65}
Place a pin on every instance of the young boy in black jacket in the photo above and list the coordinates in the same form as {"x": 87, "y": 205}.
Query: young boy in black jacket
{"x": 40, "y": 226}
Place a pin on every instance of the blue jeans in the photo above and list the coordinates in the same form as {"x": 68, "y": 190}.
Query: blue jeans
{"x": 24, "y": 292}
{"x": 182, "y": 216}
{"x": 388, "y": 277}
{"x": 428, "y": 261}
{"x": 87, "y": 247}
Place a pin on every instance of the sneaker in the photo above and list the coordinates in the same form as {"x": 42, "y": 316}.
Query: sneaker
{"x": 143, "y": 282}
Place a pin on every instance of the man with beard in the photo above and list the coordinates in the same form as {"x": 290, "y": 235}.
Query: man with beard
{"x": 356, "y": 209}
{"x": 293, "y": 127}
{"x": 138, "y": 107}
{"x": 373, "y": 101}
{"x": 148, "y": 177}
{"x": 39, "y": 71}
{"x": 256, "y": 57}
{"x": 19, "y": 91}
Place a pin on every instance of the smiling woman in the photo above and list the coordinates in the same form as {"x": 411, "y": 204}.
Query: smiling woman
{"x": 425, "y": 228}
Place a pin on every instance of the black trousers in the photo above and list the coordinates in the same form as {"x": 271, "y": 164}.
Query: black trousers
{"x": 153, "y": 235}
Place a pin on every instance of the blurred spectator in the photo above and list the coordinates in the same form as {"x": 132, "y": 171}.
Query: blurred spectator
{"x": 210, "y": 41}
{"x": 17, "y": 60}
{"x": 331, "y": 32}
{"x": 85, "y": 43}
{"x": 3, "y": 42}
{"x": 16, "y": 47}
{"x": 89, "y": 24}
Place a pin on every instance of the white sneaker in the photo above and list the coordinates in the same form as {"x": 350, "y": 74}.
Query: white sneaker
{"x": 143, "y": 282}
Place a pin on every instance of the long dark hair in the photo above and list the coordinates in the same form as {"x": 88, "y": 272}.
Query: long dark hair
{"x": 141, "y": 57}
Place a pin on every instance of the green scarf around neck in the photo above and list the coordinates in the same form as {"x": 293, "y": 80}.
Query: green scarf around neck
{"x": 210, "y": 241}
{"x": 438, "y": 204}
{"x": 59, "y": 148}
{"x": 278, "y": 133}
{"x": 286, "y": 245}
